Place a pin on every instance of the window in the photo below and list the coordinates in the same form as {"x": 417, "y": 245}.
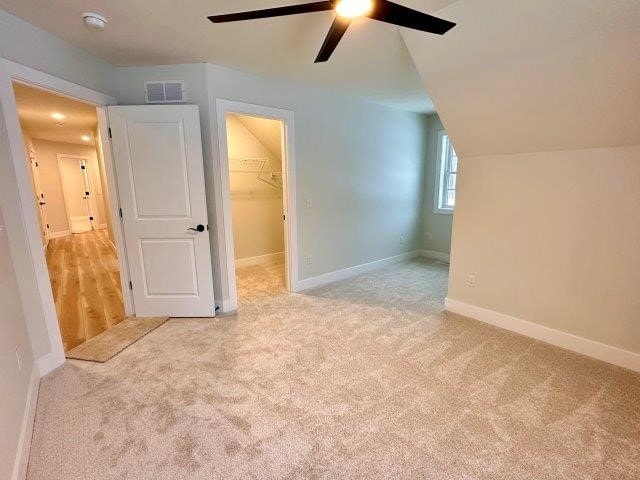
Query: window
{"x": 445, "y": 191}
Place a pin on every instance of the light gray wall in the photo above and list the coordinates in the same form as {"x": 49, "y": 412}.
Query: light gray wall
{"x": 436, "y": 226}
{"x": 14, "y": 383}
{"x": 560, "y": 253}
{"x": 360, "y": 164}
{"x": 28, "y": 45}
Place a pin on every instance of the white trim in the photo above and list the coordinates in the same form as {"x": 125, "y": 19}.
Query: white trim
{"x": 36, "y": 78}
{"x": 17, "y": 202}
{"x": 26, "y": 428}
{"x": 226, "y": 307}
{"x": 585, "y": 346}
{"x": 59, "y": 234}
{"x": 259, "y": 259}
{"x": 443, "y": 257}
{"x": 439, "y": 178}
{"x": 49, "y": 362}
{"x": 120, "y": 248}
{"x": 224, "y": 225}
{"x": 349, "y": 272}
{"x": 101, "y": 226}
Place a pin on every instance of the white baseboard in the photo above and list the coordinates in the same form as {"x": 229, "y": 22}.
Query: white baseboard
{"x": 49, "y": 362}
{"x": 590, "y": 348}
{"x": 443, "y": 257}
{"x": 26, "y": 428}
{"x": 61, "y": 233}
{"x": 259, "y": 260}
{"x": 101, "y": 226}
{"x": 345, "y": 273}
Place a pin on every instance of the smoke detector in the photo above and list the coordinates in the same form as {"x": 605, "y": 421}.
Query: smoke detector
{"x": 94, "y": 20}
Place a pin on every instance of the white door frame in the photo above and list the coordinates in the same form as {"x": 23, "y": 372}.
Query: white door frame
{"x": 89, "y": 188}
{"x": 39, "y": 198}
{"x": 225, "y": 224}
{"x": 21, "y": 216}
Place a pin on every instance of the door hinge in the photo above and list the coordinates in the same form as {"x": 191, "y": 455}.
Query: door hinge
{"x": 36, "y": 164}
{"x": 284, "y": 216}
{"x": 86, "y": 193}
{"x": 120, "y": 211}
{"x": 82, "y": 167}
{"x": 48, "y": 226}
{"x": 110, "y": 133}
{"x": 90, "y": 218}
{"x": 130, "y": 285}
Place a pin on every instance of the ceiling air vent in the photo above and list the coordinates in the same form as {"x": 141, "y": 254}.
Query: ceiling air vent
{"x": 164, "y": 92}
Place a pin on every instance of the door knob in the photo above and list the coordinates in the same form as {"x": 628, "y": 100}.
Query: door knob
{"x": 199, "y": 228}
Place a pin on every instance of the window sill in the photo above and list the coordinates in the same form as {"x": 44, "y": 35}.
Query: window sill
{"x": 443, "y": 211}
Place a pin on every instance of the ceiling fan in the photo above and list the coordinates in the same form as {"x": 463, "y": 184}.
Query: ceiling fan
{"x": 346, "y": 12}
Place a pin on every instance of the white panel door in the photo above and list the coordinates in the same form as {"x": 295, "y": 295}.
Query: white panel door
{"x": 76, "y": 192}
{"x": 158, "y": 156}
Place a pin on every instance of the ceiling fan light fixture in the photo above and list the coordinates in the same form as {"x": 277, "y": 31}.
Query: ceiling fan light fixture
{"x": 354, "y": 8}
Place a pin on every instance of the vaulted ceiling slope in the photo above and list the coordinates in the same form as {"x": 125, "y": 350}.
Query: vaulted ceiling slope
{"x": 372, "y": 62}
{"x": 530, "y": 76}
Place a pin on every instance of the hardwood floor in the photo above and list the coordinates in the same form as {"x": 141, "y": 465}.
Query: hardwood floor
{"x": 86, "y": 286}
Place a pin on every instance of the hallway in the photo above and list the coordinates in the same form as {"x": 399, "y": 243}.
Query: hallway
{"x": 86, "y": 286}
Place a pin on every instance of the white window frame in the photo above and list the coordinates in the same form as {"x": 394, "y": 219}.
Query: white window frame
{"x": 441, "y": 166}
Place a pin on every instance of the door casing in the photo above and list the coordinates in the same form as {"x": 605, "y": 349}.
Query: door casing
{"x": 21, "y": 216}
{"x": 221, "y": 177}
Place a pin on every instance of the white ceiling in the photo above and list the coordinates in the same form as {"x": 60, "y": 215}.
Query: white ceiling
{"x": 35, "y": 107}
{"x": 371, "y": 61}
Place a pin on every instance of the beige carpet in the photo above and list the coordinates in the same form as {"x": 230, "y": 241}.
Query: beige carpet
{"x": 364, "y": 379}
{"x": 111, "y": 342}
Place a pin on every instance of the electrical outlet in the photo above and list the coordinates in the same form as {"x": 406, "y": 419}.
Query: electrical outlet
{"x": 19, "y": 359}
{"x": 309, "y": 259}
{"x": 403, "y": 239}
{"x": 471, "y": 280}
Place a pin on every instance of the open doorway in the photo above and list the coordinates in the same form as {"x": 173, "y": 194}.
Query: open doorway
{"x": 258, "y": 201}
{"x": 256, "y": 180}
{"x": 70, "y": 191}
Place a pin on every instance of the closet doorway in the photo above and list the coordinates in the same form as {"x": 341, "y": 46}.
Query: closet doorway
{"x": 258, "y": 204}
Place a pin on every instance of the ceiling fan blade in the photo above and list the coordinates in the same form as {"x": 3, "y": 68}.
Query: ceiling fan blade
{"x": 338, "y": 27}
{"x": 274, "y": 12}
{"x": 389, "y": 12}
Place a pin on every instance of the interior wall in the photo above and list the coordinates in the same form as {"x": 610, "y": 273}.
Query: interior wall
{"x": 436, "y": 226}
{"x": 29, "y": 45}
{"x": 14, "y": 382}
{"x": 543, "y": 115}
{"x": 553, "y": 238}
{"x": 46, "y": 152}
{"x": 256, "y": 207}
{"x": 360, "y": 165}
